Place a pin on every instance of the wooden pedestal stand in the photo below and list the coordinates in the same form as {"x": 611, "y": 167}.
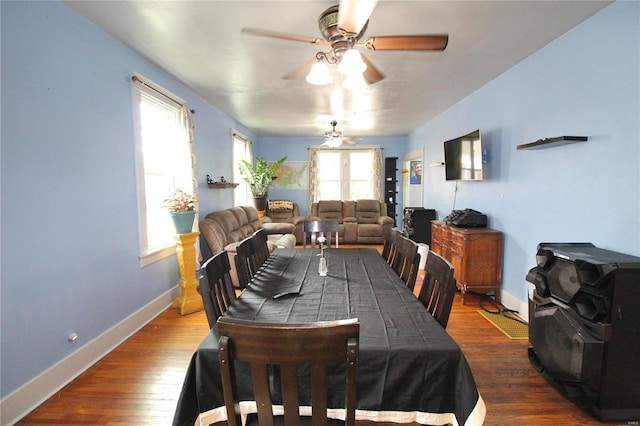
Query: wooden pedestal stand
{"x": 189, "y": 300}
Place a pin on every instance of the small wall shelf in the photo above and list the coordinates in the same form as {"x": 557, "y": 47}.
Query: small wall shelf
{"x": 222, "y": 185}
{"x": 549, "y": 142}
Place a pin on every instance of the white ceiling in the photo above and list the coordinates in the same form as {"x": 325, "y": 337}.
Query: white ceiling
{"x": 200, "y": 43}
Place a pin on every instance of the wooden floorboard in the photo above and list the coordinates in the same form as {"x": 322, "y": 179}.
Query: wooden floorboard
{"x": 139, "y": 382}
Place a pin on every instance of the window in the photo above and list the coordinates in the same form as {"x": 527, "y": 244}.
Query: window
{"x": 163, "y": 163}
{"x": 241, "y": 151}
{"x": 347, "y": 175}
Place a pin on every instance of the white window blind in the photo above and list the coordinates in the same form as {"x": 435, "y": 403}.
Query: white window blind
{"x": 241, "y": 151}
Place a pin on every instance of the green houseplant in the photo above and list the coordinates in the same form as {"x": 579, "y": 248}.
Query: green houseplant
{"x": 259, "y": 178}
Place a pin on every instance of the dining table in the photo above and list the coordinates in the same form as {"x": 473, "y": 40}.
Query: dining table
{"x": 410, "y": 369}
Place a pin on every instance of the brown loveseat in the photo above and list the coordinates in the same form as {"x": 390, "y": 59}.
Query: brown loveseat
{"x": 284, "y": 215}
{"x": 359, "y": 222}
{"x": 223, "y": 229}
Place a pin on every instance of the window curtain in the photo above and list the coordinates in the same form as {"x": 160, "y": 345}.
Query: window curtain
{"x": 378, "y": 172}
{"x": 188, "y": 127}
{"x": 314, "y": 182}
{"x": 242, "y": 150}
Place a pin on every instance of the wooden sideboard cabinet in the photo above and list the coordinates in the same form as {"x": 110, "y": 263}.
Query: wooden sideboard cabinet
{"x": 475, "y": 253}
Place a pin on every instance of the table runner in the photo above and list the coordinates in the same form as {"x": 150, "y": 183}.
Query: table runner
{"x": 409, "y": 370}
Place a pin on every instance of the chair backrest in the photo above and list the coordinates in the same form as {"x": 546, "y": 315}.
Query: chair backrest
{"x": 438, "y": 287}
{"x": 288, "y": 346}
{"x": 322, "y": 227}
{"x": 407, "y": 260}
{"x": 262, "y": 248}
{"x": 389, "y": 248}
{"x": 246, "y": 261}
{"x": 216, "y": 287}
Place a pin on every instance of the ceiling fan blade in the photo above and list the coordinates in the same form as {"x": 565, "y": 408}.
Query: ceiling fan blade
{"x": 274, "y": 34}
{"x": 371, "y": 74}
{"x": 408, "y": 42}
{"x": 350, "y": 140}
{"x": 354, "y": 14}
{"x": 301, "y": 71}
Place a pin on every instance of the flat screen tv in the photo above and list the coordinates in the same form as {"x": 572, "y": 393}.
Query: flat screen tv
{"x": 463, "y": 157}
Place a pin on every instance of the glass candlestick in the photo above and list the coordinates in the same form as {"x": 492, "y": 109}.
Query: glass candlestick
{"x": 322, "y": 266}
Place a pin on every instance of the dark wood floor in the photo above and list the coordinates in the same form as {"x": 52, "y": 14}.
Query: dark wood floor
{"x": 140, "y": 381}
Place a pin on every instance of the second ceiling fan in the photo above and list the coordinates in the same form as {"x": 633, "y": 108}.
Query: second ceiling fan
{"x": 335, "y": 138}
{"x": 342, "y": 27}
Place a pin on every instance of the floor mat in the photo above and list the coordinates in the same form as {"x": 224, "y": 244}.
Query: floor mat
{"x": 512, "y": 328}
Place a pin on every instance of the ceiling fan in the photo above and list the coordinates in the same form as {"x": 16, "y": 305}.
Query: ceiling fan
{"x": 335, "y": 138}
{"x": 342, "y": 26}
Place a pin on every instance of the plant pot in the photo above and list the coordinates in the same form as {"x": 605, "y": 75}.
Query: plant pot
{"x": 260, "y": 203}
{"x": 183, "y": 221}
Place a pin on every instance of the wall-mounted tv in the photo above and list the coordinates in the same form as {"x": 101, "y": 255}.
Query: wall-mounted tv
{"x": 463, "y": 157}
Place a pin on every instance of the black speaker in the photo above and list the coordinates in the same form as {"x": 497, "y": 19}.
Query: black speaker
{"x": 584, "y": 326}
{"x": 416, "y": 224}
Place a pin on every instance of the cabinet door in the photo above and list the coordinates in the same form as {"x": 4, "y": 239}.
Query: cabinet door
{"x": 484, "y": 256}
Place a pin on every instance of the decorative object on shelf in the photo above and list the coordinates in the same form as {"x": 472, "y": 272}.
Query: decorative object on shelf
{"x": 549, "y": 142}
{"x": 322, "y": 266}
{"x": 189, "y": 300}
{"x": 220, "y": 185}
{"x": 259, "y": 179}
{"x": 182, "y": 208}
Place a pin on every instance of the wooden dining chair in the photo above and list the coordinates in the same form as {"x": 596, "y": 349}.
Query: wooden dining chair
{"x": 287, "y": 346}
{"x": 321, "y": 227}
{"x": 262, "y": 248}
{"x": 438, "y": 287}
{"x": 246, "y": 261}
{"x": 407, "y": 260}
{"x": 216, "y": 287}
{"x": 389, "y": 248}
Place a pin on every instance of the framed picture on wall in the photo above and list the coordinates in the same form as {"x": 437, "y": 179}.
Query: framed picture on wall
{"x": 415, "y": 172}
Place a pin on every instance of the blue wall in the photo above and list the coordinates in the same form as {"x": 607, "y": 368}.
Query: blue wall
{"x": 69, "y": 206}
{"x": 295, "y": 148}
{"x": 584, "y": 83}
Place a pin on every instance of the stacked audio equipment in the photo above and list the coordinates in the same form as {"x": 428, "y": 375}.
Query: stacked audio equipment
{"x": 584, "y": 326}
{"x": 416, "y": 224}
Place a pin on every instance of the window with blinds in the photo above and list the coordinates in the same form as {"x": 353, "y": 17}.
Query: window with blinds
{"x": 346, "y": 174}
{"x": 163, "y": 164}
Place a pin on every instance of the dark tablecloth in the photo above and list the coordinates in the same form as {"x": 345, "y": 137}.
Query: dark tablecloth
{"x": 410, "y": 369}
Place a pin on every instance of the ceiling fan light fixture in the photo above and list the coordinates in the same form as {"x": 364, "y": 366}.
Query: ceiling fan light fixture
{"x": 333, "y": 142}
{"x": 355, "y": 82}
{"x": 319, "y": 74}
{"x": 351, "y": 63}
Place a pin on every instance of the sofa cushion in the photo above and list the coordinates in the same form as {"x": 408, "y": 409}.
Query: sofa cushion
{"x": 367, "y": 211}
{"x": 280, "y": 216}
{"x": 279, "y": 228}
{"x": 330, "y": 210}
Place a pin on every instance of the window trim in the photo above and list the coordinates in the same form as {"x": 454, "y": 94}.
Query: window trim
{"x": 146, "y": 255}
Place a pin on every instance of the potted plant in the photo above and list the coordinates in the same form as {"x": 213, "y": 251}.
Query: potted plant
{"x": 259, "y": 179}
{"x": 182, "y": 208}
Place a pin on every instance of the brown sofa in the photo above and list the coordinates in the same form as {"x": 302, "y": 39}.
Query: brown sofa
{"x": 223, "y": 229}
{"x": 359, "y": 222}
{"x": 284, "y": 216}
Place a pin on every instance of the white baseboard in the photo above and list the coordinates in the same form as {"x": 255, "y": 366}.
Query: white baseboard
{"x": 33, "y": 393}
{"x": 511, "y": 302}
